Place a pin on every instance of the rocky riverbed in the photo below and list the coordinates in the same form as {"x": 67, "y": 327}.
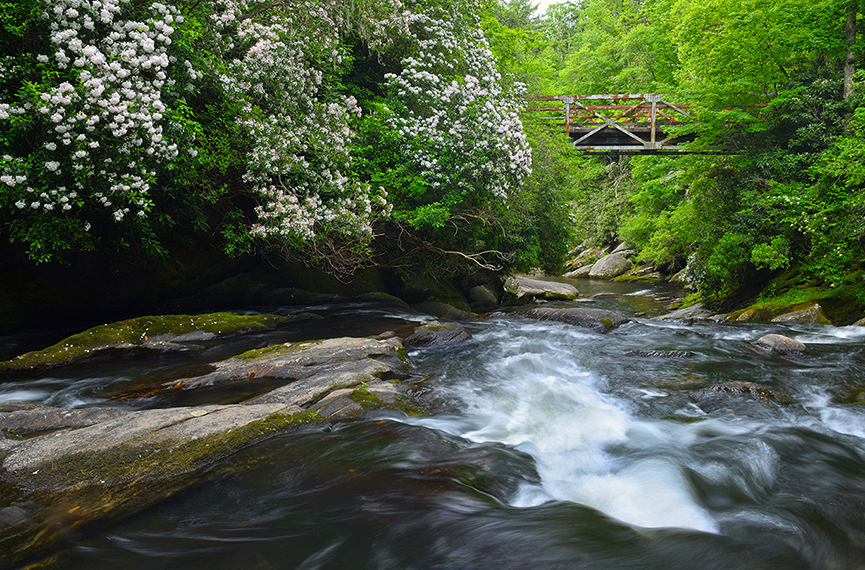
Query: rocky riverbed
{"x": 227, "y": 381}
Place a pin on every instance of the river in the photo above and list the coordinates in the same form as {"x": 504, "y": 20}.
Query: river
{"x": 550, "y": 447}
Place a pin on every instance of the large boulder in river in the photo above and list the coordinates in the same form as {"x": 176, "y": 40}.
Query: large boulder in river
{"x": 525, "y": 289}
{"x": 598, "y": 320}
{"x": 779, "y": 344}
{"x": 610, "y": 266}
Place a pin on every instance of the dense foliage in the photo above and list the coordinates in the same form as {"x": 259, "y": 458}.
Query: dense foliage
{"x": 309, "y": 127}
{"x": 388, "y": 131}
{"x": 781, "y": 185}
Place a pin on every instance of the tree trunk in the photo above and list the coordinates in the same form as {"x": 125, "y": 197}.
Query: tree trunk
{"x": 850, "y": 61}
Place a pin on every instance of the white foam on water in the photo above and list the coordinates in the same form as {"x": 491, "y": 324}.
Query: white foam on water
{"x": 833, "y": 335}
{"x": 640, "y": 293}
{"x": 8, "y": 394}
{"x": 535, "y": 397}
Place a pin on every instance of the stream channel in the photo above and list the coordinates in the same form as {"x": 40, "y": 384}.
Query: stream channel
{"x": 550, "y": 446}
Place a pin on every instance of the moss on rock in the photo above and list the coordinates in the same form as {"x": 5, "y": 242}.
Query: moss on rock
{"x": 147, "y": 333}
{"x": 366, "y": 399}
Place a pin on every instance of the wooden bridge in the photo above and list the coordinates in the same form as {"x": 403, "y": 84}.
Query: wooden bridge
{"x": 615, "y": 123}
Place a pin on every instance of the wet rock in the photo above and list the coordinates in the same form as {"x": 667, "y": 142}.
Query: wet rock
{"x": 859, "y": 323}
{"x": 437, "y": 334}
{"x": 40, "y": 419}
{"x": 598, "y": 320}
{"x": 526, "y": 289}
{"x": 309, "y": 369}
{"x": 482, "y": 298}
{"x": 731, "y": 395}
{"x": 610, "y": 266}
{"x": 642, "y": 274}
{"x": 578, "y": 273}
{"x": 695, "y": 311}
{"x": 779, "y": 344}
{"x": 142, "y": 334}
{"x": 676, "y": 354}
{"x": 443, "y": 311}
{"x": 809, "y": 314}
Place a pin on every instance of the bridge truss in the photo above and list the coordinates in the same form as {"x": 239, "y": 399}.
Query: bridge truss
{"x": 615, "y": 123}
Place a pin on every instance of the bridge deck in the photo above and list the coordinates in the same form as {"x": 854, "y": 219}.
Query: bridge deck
{"x": 637, "y": 124}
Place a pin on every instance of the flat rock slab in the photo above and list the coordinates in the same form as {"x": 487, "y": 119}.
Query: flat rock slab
{"x": 598, "y": 320}
{"x": 26, "y": 422}
{"x": 143, "y": 334}
{"x": 312, "y": 362}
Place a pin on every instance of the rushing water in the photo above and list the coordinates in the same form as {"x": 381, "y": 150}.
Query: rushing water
{"x": 554, "y": 447}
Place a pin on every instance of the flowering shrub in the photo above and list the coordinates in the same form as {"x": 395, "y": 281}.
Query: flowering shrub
{"x": 459, "y": 129}
{"x": 84, "y": 114}
{"x": 287, "y": 74}
{"x": 104, "y": 121}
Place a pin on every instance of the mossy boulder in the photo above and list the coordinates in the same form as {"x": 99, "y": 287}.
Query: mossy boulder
{"x": 809, "y": 313}
{"x": 646, "y": 274}
{"x": 151, "y": 333}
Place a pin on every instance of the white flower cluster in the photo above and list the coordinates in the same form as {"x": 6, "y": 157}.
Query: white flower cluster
{"x": 461, "y": 130}
{"x": 301, "y": 156}
{"x": 103, "y": 118}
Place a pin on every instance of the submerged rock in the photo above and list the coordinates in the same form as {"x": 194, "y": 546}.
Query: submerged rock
{"x": 677, "y": 354}
{"x": 779, "y": 344}
{"x": 598, "y": 320}
{"x": 142, "y": 334}
{"x": 730, "y": 395}
{"x": 525, "y": 289}
{"x": 437, "y": 334}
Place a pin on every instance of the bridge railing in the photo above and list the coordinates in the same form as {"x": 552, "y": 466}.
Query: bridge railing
{"x": 614, "y": 122}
